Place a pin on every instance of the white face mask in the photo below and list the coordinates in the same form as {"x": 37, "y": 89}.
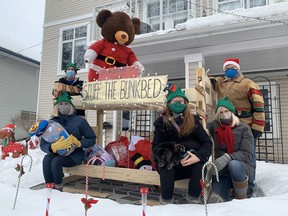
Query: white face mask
{"x": 226, "y": 115}
{"x": 64, "y": 109}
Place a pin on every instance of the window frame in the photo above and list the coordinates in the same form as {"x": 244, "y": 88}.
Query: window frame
{"x": 60, "y": 48}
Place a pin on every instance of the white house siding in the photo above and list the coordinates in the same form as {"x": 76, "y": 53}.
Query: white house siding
{"x": 284, "y": 114}
{"x": 19, "y": 87}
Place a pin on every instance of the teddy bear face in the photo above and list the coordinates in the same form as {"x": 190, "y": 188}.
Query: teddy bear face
{"x": 117, "y": 26}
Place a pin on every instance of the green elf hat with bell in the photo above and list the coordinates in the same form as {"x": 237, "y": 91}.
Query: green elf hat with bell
{"x": 63, "y": 97}
{"x": 175, "y": 91}
{"x": 71, "y": 65}
{"x": 225, "y": 103}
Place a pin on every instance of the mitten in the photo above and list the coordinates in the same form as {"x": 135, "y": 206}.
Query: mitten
{"x": 222, "y": 162}
{"x": 74, "y": 140}
{"x": 61, "y": 144}
{"x": 90, "y": 55}
{"x": 140, "y": 67}
{"x": 256, "y": 133}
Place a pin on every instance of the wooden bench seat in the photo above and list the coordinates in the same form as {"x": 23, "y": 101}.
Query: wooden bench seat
{"x": 123, "y": 174}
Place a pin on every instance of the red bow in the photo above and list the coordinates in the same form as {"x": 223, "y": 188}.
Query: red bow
{"x": 87, "y": 202}
{"x": 20, "y": 169}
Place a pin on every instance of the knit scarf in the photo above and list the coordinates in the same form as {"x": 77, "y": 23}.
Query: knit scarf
{"x": 225, "y": 136}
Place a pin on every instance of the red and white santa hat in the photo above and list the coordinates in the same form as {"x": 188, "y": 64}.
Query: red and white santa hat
{"x": 9, "y": 127}
{"x": 232, "y": 61}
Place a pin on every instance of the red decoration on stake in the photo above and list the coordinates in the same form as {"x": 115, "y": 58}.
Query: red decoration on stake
{"x": 144, "y": 192}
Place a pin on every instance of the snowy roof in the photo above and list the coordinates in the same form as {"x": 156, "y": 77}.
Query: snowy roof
{"x": 268, "y": 13}
{"x": 18, "y": 49}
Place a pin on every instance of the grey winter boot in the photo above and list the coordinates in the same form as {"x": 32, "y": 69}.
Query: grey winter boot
{"x": 165, "y": 202}
{"x": 240, "y": 189}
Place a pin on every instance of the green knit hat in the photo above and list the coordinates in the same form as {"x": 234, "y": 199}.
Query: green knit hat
{"x": 71, "y": 65}
{"x": 175, "y": 91}
{"x": 225, "y": 103}
{"x": 63, "y": 97}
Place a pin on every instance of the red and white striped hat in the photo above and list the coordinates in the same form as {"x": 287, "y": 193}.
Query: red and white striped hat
{"x": 232, "y": 61}
{"x": 9, "y": 127}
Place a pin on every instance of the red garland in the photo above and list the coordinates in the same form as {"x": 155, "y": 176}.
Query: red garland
{"x": 87, "y": 202}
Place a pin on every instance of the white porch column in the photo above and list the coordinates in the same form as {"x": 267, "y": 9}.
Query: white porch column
{"x": 192, "y": 61}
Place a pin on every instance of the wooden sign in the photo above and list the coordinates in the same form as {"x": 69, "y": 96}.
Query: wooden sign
{"x": 118, "y": 73}
{"x": 142, "y": 90}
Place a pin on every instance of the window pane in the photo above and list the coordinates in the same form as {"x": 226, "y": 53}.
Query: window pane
{"x": 66, "y": 54}
{"x": 79, "y": 53}
{"x": 256, "y": 3}
{"x": 81, "y": 32}
{"x": 153, "y": 9}
{"x": 229, "y": 6}
{"x": 68, "y": 34}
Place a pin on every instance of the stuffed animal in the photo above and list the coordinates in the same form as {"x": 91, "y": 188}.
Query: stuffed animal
{"x": 50, "y": 131}
{"x": 118, "y": 31}
{"x": 9, "y": 145}
{"x": 140, "y": 163}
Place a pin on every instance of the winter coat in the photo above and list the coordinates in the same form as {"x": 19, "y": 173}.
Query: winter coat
{"x": 78, "y": 127}
{"x": 243, "y": 145}
{"x": 77, "y": 82}
{"x": 197, "y": 140}
{"x": 246, "y": 97}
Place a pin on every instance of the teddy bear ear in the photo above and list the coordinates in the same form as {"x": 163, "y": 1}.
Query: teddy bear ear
{"x": 102, "y": 17}
{"x": 136, "y": 23}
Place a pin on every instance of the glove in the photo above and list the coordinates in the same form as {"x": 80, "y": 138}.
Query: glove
{"x": 221, "y": 162}
{"x": 256, "y": 133}
{"x": 74, "y": 140}
{"x": 61, "y": 144}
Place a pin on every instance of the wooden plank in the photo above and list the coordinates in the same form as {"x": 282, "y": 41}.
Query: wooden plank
{"x": 123, "y": 174}
{"x": 71, "y": 178}
{"x": 82, "y": 191}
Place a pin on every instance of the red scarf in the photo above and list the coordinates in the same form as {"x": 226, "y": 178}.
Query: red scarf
{"x": 225, "y": 137}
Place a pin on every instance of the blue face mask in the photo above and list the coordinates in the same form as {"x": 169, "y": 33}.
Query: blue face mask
{"x": 70, "y": 73}
{"x": 231, "y": 73}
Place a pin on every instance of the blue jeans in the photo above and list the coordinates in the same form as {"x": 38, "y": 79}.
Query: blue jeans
{"x": 235, "y": 172}
{"x": 53, "y": 168}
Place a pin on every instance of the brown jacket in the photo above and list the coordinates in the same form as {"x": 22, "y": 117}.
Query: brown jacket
{"x": 246, "y": 97}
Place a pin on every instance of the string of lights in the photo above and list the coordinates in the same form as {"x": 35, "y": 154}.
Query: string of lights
{"x": 195, "y": 4}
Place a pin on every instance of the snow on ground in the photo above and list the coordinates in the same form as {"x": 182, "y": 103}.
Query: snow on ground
{"x": 271, "y": 189}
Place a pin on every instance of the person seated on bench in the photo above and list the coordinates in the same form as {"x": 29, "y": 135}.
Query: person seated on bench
{"x": 81, "y": 136}
{"x": 233, "y": 154}
{"x": 177, "y": 125}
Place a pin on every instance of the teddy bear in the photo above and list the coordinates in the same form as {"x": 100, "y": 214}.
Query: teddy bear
{"x": 118, "y": 31}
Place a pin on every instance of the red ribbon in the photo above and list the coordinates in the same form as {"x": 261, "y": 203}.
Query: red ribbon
{"x": 20, "y": 169}
{"x": 87, "y": 202}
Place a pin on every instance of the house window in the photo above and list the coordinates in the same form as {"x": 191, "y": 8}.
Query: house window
{"x": 256, "y": 3}
{"x": 226, "y": 5}
{"x": 28, "y": 116}
{"x": 179, "y": 21}
{"x": 73, "y": 45}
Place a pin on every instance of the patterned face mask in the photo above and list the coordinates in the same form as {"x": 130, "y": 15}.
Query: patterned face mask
{"x": 64, "y": 109}
{"x": 177, "y": 107}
